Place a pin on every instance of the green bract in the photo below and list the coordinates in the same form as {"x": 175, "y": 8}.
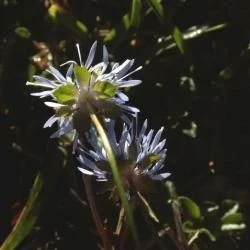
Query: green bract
{"x": 65, "y": 94}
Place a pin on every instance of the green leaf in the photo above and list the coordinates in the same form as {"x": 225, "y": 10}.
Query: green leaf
{"x": 233, "y": 221}
{"x": 82, "y": 75}
{"x": 126, "y": 22}
{"x": 65, "y": 94}
{"x": 231, "y": 206}
{"x": 81, "y": 26}
{"x": 28, "y": 216}
{"x": 23, "y": 32}
{"x": 178, "y": 37}
{"x": 105, "y": 90}
{"x": 236, "y": 218}
{"x": 191, "y": 209}
{"x": 157, "y": 7}
{"x": 135, "y": 16}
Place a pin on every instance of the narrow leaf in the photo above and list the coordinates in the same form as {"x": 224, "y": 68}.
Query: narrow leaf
{"x": 157, "y": 8}
{"x": 135, "y": 16}
{"x": 28, "y": 216}
{"x": 178, "y": 38}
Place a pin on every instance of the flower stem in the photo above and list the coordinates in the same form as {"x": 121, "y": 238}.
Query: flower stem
{"x": 116, "y": 174}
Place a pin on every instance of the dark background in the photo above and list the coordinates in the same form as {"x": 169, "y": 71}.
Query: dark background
{"x": 209, "y": 162}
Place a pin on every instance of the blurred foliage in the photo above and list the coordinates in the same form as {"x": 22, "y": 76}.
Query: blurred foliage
{"x": 196, "y": 82}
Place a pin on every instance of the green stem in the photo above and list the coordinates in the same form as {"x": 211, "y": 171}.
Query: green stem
{"x": 116, "y": 174}
{"x": 177, "y": 215}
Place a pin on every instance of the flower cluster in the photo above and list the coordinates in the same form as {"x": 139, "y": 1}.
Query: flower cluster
{"x": 139, "y": 155}
{"x": 91, "y": 89}
{"x": 85, "y": 88}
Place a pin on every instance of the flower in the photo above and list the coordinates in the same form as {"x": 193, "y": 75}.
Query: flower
{"x": 85, "y": 89}
{"x": 139, "y": 156}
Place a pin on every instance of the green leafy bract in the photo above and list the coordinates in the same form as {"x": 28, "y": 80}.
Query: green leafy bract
{"x": 65, "y": 94}
{"x": 105, "y": 90}
{"x": 82, "y": 75}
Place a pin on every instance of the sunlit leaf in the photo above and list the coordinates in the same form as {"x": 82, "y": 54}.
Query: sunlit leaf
{"x": 23, "y": 32}
{"x": 231, "y": 207}
{"x": 236, "y": 218}
{"x": 65, "y": 94}
{"x": 190, "y": 208}
{"x": 178, "y": 37}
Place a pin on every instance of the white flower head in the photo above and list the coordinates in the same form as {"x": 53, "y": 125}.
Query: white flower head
{"x": 84, "y": 86}
{"x": 139, "y": 156}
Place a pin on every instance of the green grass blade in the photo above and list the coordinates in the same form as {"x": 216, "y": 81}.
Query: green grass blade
{"x": 28, "y": 216}
{"x": 135, "y": 16}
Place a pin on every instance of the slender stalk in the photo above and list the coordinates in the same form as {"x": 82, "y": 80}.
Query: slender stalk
{"x": 96, "y": 217}
{"x": 116, "y": 174}
{"x": 177, "y": 215}
{"x": 120, "y": 221}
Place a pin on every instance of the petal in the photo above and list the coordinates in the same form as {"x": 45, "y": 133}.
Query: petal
{"x": 143, "y": 129}
{"x": 85, "y": 171}
{"x": 42, "y": 94}
{"x": 156, "y": 139}
{"x": 160, "y": 177}
{"x": 62, "y": 131}
{"x": 54, "y": 104}
{"x": 45, "y": 80}
{"x": 130, "y": 83}
{"x": 159, "y": 147}
{"x": 56, "y": 74}
{"x": 123, "y": 68}
{"x": 123, "y": 96}
{"x": 69, "y": 73}
{"x": 91, "y": 55}
{"x": 50, "y": 121}
{"x": 130, "y": 108}
{"x": 105, "y": 58}
{"x": 41, "y": 84}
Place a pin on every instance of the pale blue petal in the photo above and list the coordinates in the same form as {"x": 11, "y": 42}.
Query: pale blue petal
{"x": 91, "y": 55}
